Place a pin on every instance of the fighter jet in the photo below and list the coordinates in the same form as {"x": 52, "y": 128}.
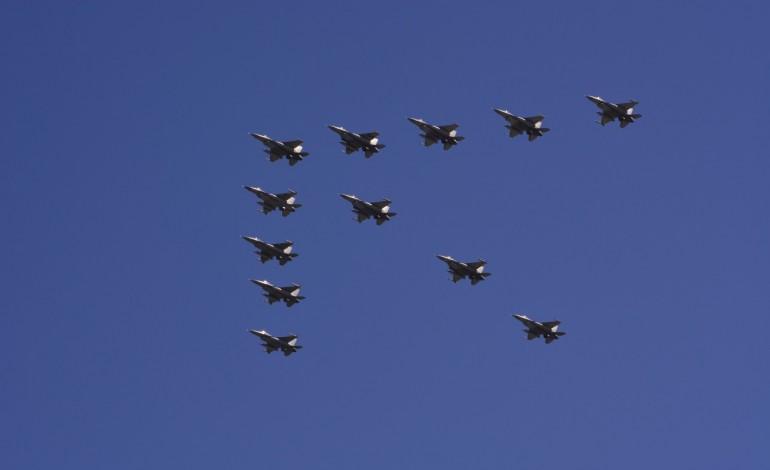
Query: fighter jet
{"x": 458, "y": 270}
{"x": 271, "y": 202}
{"x": 276, "y": 150}
{"x": 266, "y": 251}
{"x": 536, "y": 329}
{"x": 364, "y": 210}
{"x": 352, "y": 141}
{"x": 276, "y": 294}
{"x": 610, "y": 111}
{"x": 287, "y": 344}
{"x": 520, "y": 125}
{"x": 432, "y": 134}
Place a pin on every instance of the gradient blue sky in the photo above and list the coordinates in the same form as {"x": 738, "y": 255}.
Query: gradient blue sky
{"x": 124, "y": 284}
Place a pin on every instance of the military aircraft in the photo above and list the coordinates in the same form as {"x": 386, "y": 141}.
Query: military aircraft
{"x": 364, "y": 210}
{"x": 290, "y": 295}
{"x": 271, "y": 202}
{"x": 352, "y": 141}
{"x": 520, "y": 125}
{"x": 459, "y": 270}
{"x": 611, "y": 111}
{"x": 536, "y": 329}
{"x": 287, "y": 344}
{"x": 266, "y": 251}
{"x": 432, "y": 134}
{"x": 276, "y": 150}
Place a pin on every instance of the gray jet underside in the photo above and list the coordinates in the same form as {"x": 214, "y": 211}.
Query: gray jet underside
{"x": 367, "y": 142}
{"x": 276, "y": 150}
{"x": 286, "y": 344}
{"x": 270, "y": 202}
{"x": 624, "y": 112}
{"x": 267, "y": 251}
{"x": 379, "y": 210}
{"x": 472, "y": 270}
{"x": 537, "y": 329}
{"x": 447, "y": 134}
{"x": 289, "y": 295}
{"x": 532, "y": 126}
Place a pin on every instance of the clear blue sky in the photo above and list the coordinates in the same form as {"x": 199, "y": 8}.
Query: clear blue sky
{"x": 124, "y": 287}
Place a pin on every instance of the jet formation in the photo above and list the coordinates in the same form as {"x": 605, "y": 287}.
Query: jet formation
{"x": 535, "y": 329}
{"x": 276, "y": 150}
{"x": 266, "y": 251}
{"x": 286, "y": 344}
{"x": 447, "y": 134}
{"x": 473, "y": 270}
{"x": 354, "y": 142}
{"x": 270, "y": 202}
{"x": 289, "y": 295}
{"x": 369, "y": 144}
{"x": 523, "y": 125}
{"x": 611, "y": 111}
{"x": 379, "y": 210}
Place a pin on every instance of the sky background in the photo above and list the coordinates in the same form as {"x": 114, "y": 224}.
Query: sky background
{"x": 124, "y": 293}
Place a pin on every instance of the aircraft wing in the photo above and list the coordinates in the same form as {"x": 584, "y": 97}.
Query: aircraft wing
{"x": 531, "y": 335}
{"x": 449, "y": 127}
{"x": 285, "y": 196}
{"x": 381, "y": 204}
{"x": 293, "y": 143}
{"x": 428, "y": 141}
{"x": 551, "y": 324}
{"x": 534, "y": 119}
{"x": 606, "y": 118}
{"x": 476, "y": 264}
{"x": 371, "y": 135}
{"x": 291, "y": 289}
{"x": 282, "y": 246}
{"x": 290, "y": 340}
{"x": 628, "y": 105}
{"x": 513, "y": 132}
